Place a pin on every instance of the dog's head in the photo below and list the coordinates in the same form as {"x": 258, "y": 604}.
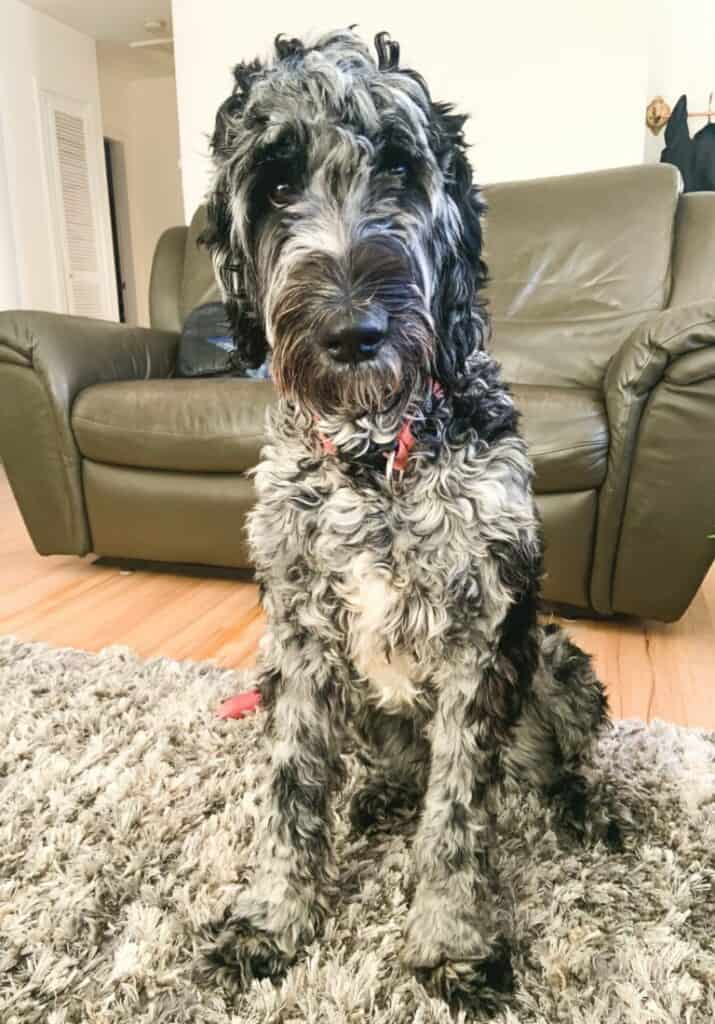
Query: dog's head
{"x": 344, "y": 226}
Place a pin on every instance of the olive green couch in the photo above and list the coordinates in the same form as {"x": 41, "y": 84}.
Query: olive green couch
{"x": 603, "y": 302}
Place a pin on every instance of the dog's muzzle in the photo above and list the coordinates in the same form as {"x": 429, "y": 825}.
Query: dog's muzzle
{"x": 352, "y": 333}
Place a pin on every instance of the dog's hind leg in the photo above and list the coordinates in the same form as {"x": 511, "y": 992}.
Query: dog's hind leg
{"x": 394, "y": 749}
{"x": 554, "y": 739}
{"x": 572, "y": 692}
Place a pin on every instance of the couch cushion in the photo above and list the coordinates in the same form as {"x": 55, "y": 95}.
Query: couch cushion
{"x": 217, "y": 426}
{"x": 567, "y": 433}
{"x": 208, "y": 426}
{"x": 575, "y": 263}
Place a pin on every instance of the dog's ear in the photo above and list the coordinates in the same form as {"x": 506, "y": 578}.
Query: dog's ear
{"x": 460, "y": 316}
{"x": 231, "y": 263}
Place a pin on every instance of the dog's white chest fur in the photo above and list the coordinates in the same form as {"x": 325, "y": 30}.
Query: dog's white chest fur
{"x": 374, "y": 602}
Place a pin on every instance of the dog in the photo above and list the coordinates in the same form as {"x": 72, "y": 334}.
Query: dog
{"x": 395, "y": 536}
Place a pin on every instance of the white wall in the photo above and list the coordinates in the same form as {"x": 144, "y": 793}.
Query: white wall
{"x": 553, "y": 88}
{"x": 141, "y": 114}
{"x": 37, "y": 52}
{"x": 9, "y": 278}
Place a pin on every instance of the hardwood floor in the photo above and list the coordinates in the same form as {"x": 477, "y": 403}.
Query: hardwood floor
{"x": 651, "y": 670}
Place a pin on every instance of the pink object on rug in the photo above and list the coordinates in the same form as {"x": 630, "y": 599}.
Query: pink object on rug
{"x": 239, "y": 706}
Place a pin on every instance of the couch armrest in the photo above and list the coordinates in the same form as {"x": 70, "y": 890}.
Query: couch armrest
{"x": 71, "y": 352}
{"x": 652, "y": 348}
{"x": 672, "y": 350}
{"x": 45, "y": 361}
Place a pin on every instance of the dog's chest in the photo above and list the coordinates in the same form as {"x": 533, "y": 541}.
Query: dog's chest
{"x": 376, "y": 614}
{"x": 391, "y": 584}
{"x": 356, "y": 558}
{"x": 395, "y": 569}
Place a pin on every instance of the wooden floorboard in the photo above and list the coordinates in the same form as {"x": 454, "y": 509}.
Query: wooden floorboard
{"x": 651, "y": 670}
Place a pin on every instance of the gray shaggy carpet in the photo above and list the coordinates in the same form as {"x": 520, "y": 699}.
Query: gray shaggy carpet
{"x": 125, "y": 824}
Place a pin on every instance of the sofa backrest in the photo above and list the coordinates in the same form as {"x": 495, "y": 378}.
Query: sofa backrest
{"x": 574, "y": 263}
{"x": 199, "y": 283}
{"x": 694, "y": 252}
{"x": 182, "y": 275}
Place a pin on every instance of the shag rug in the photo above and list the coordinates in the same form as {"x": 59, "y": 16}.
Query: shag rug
{"x": 126, "y": 813}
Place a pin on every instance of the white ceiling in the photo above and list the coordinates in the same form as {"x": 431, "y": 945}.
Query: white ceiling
{"x": 116, "y": 21}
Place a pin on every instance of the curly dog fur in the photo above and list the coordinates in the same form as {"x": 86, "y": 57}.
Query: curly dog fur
{"x": 400, "y": 580}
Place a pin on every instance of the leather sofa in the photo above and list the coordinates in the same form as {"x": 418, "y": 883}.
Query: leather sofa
{"x": 603, "y": 302}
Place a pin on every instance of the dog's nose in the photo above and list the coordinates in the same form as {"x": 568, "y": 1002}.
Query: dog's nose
{"x": 353, "y": 339}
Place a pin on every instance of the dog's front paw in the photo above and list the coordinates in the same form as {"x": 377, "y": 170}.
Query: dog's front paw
{"x": 450, "y": 955}
{"x": 473, "y": 982}
{"x": 257, "y": 938}
{"x": 237, "y": 950}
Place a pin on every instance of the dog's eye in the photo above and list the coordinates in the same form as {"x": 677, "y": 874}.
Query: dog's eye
{"x": 397, "y": 165}
{"x": 281, "y": 193}
{"x": 395, "y": 161}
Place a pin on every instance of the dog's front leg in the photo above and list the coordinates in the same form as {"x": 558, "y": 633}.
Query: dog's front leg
{"x": 287, "y": 902}
{"x": 453, "y": 940}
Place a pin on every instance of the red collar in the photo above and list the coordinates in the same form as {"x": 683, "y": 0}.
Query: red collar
{"x": 404, "y": 443}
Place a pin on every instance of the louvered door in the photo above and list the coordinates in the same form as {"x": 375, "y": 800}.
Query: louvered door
{"x": 76, "y": 209}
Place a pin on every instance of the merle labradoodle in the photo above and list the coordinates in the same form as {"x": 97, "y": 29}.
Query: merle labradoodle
{"x": 395, "y": 536}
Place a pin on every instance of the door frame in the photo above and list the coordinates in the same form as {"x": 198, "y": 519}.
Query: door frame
{"x": 121, "y": 227}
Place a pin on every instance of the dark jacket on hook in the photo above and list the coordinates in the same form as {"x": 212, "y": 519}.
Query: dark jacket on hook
{"x": 694, "y": 158}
